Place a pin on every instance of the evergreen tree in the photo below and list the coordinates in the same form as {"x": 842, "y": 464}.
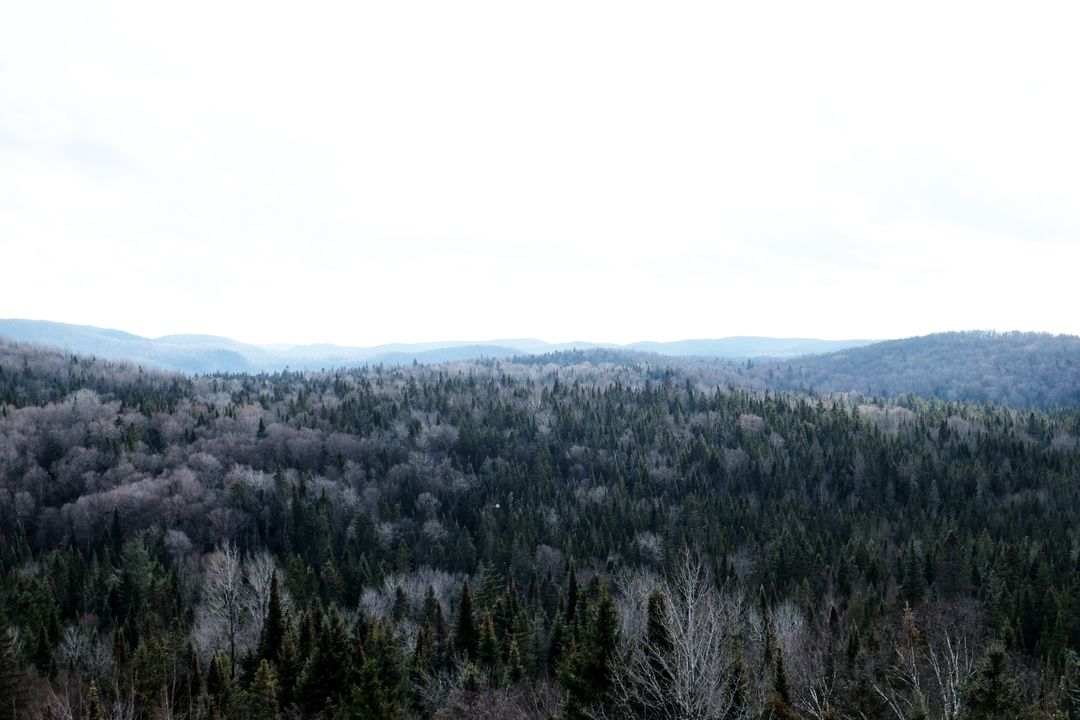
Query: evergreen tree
{"x": 515, "y": 670}
{"x": 262, "y": 696}
{"x": 488, "y": 650}
{"x": 737, "y": 681}
{"x": 289, "y": 666}
{"x": 220, "y": 684}
{"x": 466, "y": 637}
{"x": 658, "y": 649}
{"x": 273, "y": 627}
{"x": 95, "y": 709}
{"x": 573, "y": 599}
{"x": 194, "y": 687}
{"x": 325, "y": 674}
{"x": 368, "y": 699}
{"x": 587, "y": 669}
{"x": 991, "y": 693}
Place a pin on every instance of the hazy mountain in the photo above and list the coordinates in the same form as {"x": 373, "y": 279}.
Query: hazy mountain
{"x": 188, "y": 353}
{"x": 195, "y": 353}
{"x": 747, "y": 347}
{"x": 1013, "y": 368}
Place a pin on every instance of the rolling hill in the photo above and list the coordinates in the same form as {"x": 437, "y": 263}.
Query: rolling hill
{"x": 1013, "y": 368}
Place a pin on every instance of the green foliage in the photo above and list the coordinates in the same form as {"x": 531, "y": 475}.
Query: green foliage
{"x": 587, "y": 668}
{"x": 991, "y": 692}
{"x": 262, "y": 696}
{"x": 466, "y": 636}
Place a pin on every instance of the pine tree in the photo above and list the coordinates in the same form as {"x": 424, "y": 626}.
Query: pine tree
{"x": 262, "y": 696}
{"x": 368, "y": 699}
{"x": 470, "y": 679}
{"x": 383, "y": 648}
{"x": 737, "y": 682}
{"x": 220, "y": 684}
{"x": 194, "y": 678}
{"x": 658, "y": 649}
{"x": 273, "y": 627}
{"x": 781, "y": 684}
{"x": 768, "y": 640}
{"x": 444, "y": 645}
{"x": 991, "y": 693}
{"x": 289, "y": 666}
{"x": 557, "y": 643}
{"x": 466, "y": 637}
{"x": 514, "y": 668}
{"x": 401, "y": 604}
{"x": 488, "y": 649}
{"x": 778, "y": 701}
{"x": 326, "y": 672}
{"x": 95, "y": 710}
{"x": 586, "y": 671}
{"x": 573, "y": 599}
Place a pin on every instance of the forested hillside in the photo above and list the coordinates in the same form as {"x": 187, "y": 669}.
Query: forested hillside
{"x": 1018, "y": 369}
{"x": 577, "y": 536}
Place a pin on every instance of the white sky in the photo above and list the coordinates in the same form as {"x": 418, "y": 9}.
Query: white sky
{"x": 401, "y": 171}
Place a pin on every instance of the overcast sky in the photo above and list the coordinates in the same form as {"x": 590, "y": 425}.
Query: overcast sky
{"x": 397, "y": 171}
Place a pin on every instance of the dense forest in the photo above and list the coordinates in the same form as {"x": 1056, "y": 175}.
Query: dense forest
{"x": 580, "y": 535}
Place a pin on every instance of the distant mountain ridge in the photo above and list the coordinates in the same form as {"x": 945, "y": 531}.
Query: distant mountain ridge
{"x": 194, "y": 353}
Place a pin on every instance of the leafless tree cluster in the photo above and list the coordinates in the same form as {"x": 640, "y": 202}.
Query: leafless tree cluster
{"x": 687, "y": 674}
{"x": 235, "y": 594}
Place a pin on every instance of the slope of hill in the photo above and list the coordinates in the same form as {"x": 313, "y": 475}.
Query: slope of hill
{"x": 1018, "y": 369}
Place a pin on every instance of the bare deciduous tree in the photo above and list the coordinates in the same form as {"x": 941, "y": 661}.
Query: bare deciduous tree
{"x": 225, "y": 601}
{"x": 930, "y": 663}
{"x": 687, "y": 677}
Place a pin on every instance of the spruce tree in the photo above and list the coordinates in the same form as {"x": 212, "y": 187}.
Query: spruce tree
{"x": 262, "y": 696}
{"x": 586, "y": 671}
{"x": 488, "y": 649}
{"x": 289, "y": 666}
{"x": 991, "y": 693}
{"x": 368, "y": 699}
{"x": 194, "y": 688}
{"x": 658, "y": 649}
{"x": 95, "y": 709}
{"x": 573, "y": 599}
{"x": 514, "y": 668}
{"x": 220, "y": 684}
{"x": 273, "y": 627}
{"x": 466, "y": 637}
{"x": 326, "y": 672}
{"x": 737, "y": 682}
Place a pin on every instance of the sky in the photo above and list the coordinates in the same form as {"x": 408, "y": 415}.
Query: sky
{"x": 371, "y": 172}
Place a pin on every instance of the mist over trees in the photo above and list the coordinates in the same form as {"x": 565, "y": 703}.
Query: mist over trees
{"x": 577, "y": 535}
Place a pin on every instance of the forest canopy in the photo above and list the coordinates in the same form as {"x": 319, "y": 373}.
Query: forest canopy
{"x": 576, "y": 535}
